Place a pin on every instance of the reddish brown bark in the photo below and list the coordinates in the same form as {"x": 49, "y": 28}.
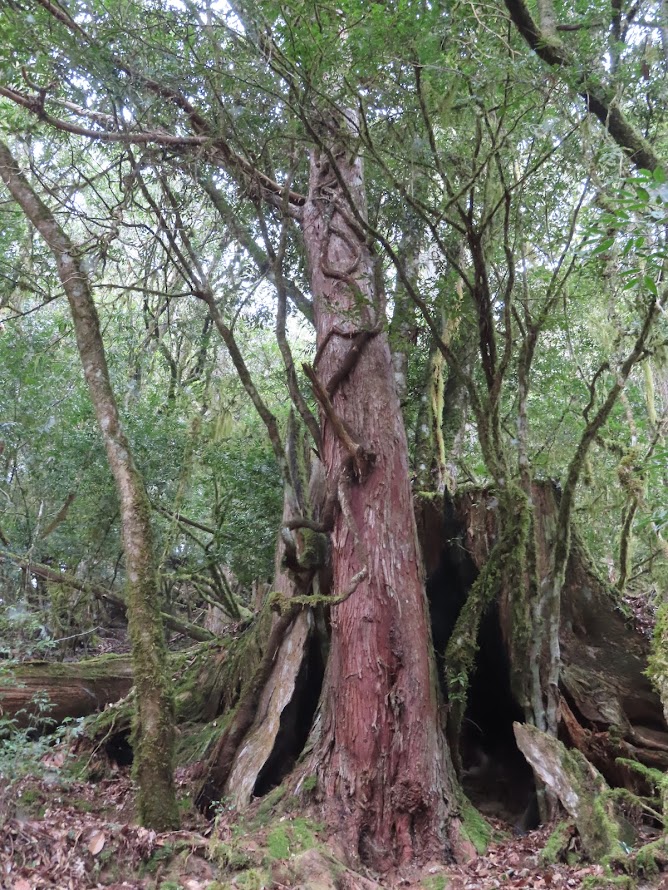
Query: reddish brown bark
{"x": 381, "y": 758}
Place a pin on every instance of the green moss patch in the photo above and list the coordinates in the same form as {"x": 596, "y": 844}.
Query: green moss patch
{"x": 475, "y": 827}
{"x": 557, "y": 844}
{"x": 435, "y": 882}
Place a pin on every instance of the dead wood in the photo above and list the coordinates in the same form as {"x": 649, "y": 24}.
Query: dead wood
{"x": 609, "y": 706}
{"x": 259, "y": 742}
{"x": 273, "y": 700}
{"x": 45, "y": 693}
{"x": 205, "y": 678}
{"x": 222, "y": 758}
{"x": 580, "y": 788}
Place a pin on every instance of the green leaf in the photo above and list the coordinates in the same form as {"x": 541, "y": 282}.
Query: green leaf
{"x": 606, "y": 244}
{"x": 650, "y": 284}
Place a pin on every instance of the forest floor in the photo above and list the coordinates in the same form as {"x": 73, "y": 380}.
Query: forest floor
{"x": 60, "y": 832}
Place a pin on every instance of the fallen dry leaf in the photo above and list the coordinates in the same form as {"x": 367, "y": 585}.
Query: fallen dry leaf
{"x": 96, "y": 842}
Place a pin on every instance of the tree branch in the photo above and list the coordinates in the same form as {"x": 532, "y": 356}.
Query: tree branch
{"x": 599, "y": 100}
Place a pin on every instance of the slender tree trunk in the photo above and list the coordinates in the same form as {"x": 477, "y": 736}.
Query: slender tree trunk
{"x": 153, "y": 737}
{"x": 381, "y": 756}
{"x": 403, "y": 327}
{"x": 442, "y": 415}
{"x": 430, "y": 457}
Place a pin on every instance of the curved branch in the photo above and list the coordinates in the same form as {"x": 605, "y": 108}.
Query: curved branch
{"x": 599, "y": 100}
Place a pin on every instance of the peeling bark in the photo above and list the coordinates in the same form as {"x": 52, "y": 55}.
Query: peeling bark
{"x": 380, "y": 757}
{"x": 256, "y": 749}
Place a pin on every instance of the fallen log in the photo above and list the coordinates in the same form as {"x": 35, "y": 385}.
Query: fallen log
{"x": 43, "y": 694}
{"x": 203, "y": 676}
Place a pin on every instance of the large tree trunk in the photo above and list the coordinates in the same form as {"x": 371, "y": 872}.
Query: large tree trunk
{"x": 381, "y": 758}
{"x": 154, "y": 734}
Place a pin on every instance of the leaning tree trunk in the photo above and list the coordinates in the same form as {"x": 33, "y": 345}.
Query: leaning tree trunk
{"x": 381, "y": 757}
{"x": 257, "y": 744}
{"x": 154, "y": 734}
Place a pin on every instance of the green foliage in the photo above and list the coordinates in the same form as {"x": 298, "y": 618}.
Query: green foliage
{"x": 441, "y": 103}
{"x": 531, "y": 244}
{"x": 435, "y": 882}
{"x": 23, "y": 632}
{"x": 29, "y": 737}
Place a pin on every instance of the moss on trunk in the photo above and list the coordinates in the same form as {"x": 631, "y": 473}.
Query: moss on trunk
{"x": 153, "y": 730}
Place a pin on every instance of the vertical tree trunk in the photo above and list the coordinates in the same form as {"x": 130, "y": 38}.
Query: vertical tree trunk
{"x": 430, "y": 457}
{"x": 403, "y": 329}
{"x": 381, "y": 757}
{"x": 153, "y": 735}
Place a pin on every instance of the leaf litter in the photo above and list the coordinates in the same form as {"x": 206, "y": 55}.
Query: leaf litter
{"x": 81, "y": 836}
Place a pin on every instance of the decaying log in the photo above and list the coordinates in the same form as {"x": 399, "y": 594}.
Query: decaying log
{"x": 580, "y": 787}
{"x": 45, "y": 693}
{"x": 203, "y": 678}
{"x": 610, "y": 708}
